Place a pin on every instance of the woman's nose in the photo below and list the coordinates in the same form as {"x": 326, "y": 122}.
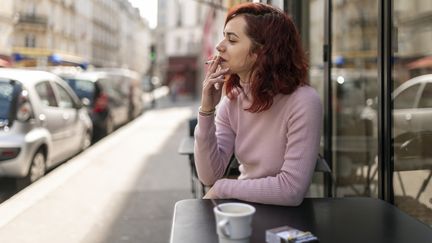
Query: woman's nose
{"x": 220, "y": 47}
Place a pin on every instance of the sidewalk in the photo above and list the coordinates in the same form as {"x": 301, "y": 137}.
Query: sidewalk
{"x": 122, "y": 189}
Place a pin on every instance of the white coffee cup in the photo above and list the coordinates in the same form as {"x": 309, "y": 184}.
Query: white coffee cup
{"x": 233, "y": 222}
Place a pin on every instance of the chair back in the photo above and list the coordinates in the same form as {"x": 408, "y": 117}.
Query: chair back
{"x": 322, "y": 165}
{"x": 192, "y": 124}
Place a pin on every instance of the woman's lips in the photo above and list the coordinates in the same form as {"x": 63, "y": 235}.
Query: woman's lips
{"x": 221, "y": 60}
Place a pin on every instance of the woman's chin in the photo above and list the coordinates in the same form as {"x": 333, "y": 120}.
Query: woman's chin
{"x": 223, "y": 65}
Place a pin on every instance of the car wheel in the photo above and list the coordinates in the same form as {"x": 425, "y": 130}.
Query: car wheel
{"x": 37, "y": 167}
{"x": 37, "y": 170}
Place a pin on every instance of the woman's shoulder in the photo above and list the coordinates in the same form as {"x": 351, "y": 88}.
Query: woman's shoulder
{"x": 303, "y": 101}
{"x": 306, "y": 90}
{"x": 304, "y": 94}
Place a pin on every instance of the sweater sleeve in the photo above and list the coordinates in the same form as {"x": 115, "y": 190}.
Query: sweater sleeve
{"x": 290, "y": 185}
{"x": 214, "y": 145}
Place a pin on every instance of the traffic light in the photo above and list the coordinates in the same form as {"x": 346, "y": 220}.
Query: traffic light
{"x": 152, "y": 53}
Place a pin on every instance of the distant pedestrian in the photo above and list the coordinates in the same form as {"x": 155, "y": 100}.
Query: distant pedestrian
{"x": 270, "y": 117}
{"x": 176, "y": 85}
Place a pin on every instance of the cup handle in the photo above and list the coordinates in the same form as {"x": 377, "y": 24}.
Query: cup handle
{"x": 222, "y": 225}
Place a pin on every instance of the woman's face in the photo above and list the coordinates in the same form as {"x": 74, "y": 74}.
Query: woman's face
{"x": 234, "y": 49}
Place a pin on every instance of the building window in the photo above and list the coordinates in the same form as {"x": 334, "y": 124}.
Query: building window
{"x": 179, "y": 15}
{"x": 30, "y": 40}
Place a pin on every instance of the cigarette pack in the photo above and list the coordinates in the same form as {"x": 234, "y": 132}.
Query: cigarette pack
{"x": 287, "y": 234}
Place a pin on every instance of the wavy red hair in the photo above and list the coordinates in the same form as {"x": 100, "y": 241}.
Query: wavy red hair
{"x": 281, "y": 64}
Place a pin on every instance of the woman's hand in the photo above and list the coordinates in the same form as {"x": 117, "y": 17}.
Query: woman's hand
{"x": 212, "y": 91}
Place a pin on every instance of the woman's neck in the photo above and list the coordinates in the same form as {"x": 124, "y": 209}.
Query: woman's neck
{"x": 243, "y": 82}
{"x": 244, "y": 79}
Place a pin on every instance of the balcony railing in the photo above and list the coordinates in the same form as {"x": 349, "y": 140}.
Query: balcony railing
{"x": 40, "y": 20}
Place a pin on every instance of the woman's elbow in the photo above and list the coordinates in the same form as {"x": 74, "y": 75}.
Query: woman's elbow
{"x": 292, "y": 201}
{"x": 297, "y": 201}
{"x": 294, "y": 198}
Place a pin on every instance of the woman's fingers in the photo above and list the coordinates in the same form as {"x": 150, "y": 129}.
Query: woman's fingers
{"x": 216, "y": 82}
{"x": 215, "y": 79}
{"x": 219, "y": 73}
{"x": 213, "y": 66}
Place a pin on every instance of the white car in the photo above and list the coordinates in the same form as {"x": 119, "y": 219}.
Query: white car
{"x": 42, "y": 123}
{"x": 412, "y": 117}
{"x": 413, "y": 105}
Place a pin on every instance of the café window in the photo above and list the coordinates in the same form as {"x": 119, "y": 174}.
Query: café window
{"x": 354, "y": 83}
{"x": 412, "y": 114}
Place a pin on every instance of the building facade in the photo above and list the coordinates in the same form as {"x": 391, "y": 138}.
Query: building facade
{"x": 7, "y": 18}
{"x": 101, "y": 33}
{"x": 189, "y": 30}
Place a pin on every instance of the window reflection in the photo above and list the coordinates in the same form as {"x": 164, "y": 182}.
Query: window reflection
{"x": 355, "y": 82}
{"x": 412, "y": 114}
{"x": 426, "y": 98}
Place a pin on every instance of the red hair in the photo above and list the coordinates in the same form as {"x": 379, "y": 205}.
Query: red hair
{"x": 281, "y": 64}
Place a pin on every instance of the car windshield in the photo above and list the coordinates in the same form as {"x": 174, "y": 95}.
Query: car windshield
{"x": 7, "y": 90}
{"x": 82, "y": 88}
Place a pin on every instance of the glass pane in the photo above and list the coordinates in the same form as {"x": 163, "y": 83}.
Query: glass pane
{"x": 65, "y": 100}
{"x": 354, "y": 80}
{"x": 313, "y": 39}
{"x": 46, "y": 94}
{"x": 426, "y": 97}
{"x": 407, "y": 97}
{"x": 6, "y": 95}
{"x": 412, "y": 114}
{"x": 82, "y": 88}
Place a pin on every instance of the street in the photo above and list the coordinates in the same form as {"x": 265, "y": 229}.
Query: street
{"x": 7, "y": 188}
{"x": 121, "y": 189}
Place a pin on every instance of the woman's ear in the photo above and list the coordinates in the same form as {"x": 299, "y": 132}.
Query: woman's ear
{"x": 254, "y": 56}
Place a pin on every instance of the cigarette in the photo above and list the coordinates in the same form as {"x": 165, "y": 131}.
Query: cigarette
{"x": 212, "y": 60}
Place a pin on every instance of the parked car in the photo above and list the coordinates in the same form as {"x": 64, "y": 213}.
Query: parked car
{"x": 131, "y": 79}
{"x": 42, "y": 123}
{"x": 113, "y": 97}
{"x": 413, "y": 105}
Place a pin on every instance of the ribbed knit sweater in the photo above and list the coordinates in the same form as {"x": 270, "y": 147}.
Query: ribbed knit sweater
{"x": 276, "y": 149}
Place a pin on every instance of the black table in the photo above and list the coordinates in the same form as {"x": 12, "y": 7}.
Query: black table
{"x": 332, "y": 220}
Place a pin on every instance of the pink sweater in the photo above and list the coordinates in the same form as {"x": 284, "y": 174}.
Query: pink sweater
{"x": 277, "y": 149}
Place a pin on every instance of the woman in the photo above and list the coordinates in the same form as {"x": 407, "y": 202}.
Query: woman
{"x": 270, "y": 118}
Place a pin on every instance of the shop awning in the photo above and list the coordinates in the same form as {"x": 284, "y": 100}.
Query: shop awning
{"x": 425, "y": 62}
{"x": 55, "y": 57}
{"x": 4, "y": 63}
{"x": 5, "y": 60}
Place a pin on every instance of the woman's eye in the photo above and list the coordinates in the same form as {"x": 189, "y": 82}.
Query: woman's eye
{"x": 231, "y": 41}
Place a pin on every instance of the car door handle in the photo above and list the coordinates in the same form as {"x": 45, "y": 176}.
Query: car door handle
{"x": 65, "y": 116}
{"x": 408, "y": 117}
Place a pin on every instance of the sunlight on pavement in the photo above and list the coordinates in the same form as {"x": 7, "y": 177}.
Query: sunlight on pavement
{"x": 84, "y": 187}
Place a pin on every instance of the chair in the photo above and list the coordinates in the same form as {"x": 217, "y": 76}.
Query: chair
{"x": 322, "y": 165}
